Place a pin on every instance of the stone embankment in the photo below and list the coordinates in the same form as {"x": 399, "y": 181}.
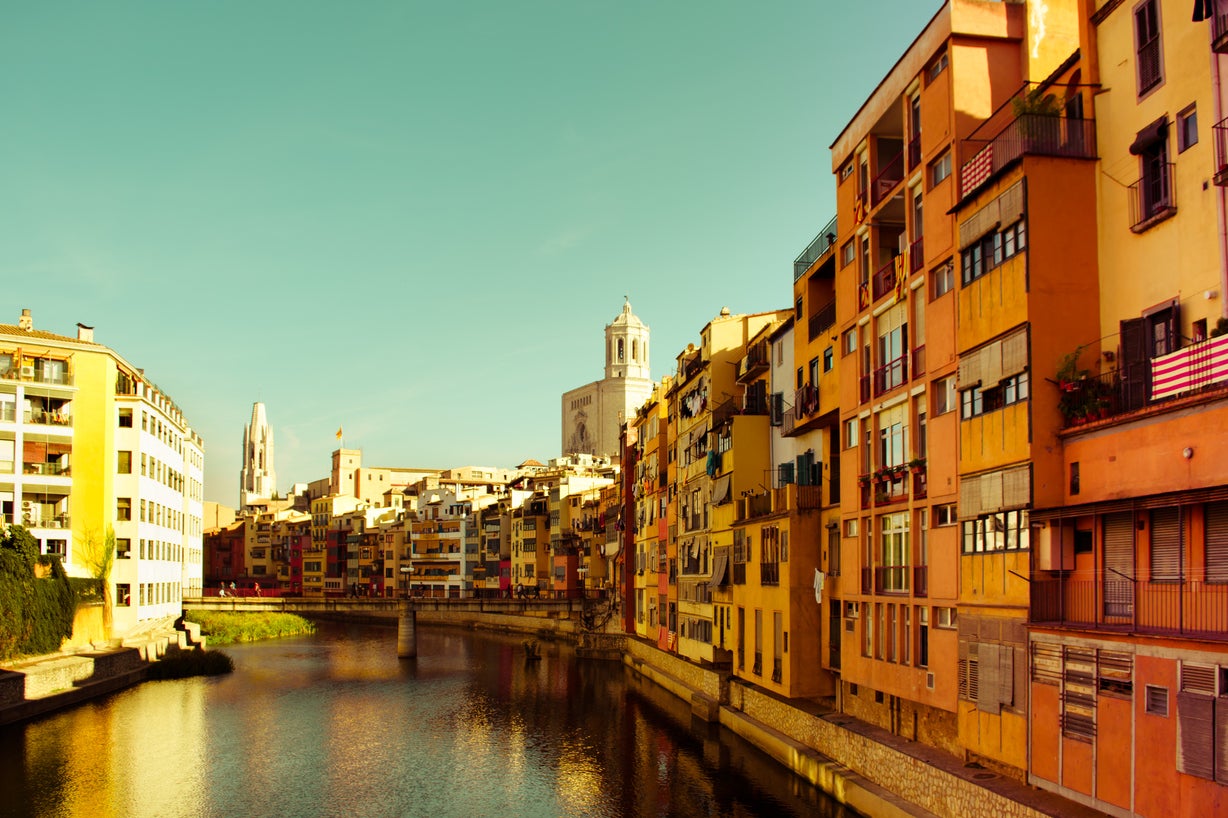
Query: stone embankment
{"x": 40, "y": 685}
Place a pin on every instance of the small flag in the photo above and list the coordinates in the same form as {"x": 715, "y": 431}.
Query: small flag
{"x": 338, "y": 432}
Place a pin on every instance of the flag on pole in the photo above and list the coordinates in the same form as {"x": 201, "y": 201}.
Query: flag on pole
{"x": 338, "y": 432}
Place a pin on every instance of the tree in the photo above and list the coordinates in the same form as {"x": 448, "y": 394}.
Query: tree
{"x": 38, "y": 611}
{"x": 100, "y": 559}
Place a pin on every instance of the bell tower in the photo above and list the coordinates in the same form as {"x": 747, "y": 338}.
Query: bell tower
{"x": 626, "y": 346}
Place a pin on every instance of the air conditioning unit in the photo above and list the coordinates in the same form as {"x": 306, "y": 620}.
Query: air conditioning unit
{"x": 31, "y": 513}
{"x": 27, "y": 371}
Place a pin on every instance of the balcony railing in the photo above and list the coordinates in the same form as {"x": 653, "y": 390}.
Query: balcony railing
{"x": 914, "y": 152}
{"x": 1005, "y": 137}
{"x": 806, "y": 401}
{"x": 38, "y": 374}
{"x": 892, "y": 579}
{"x": 1197, "y": 609}
{"x": 815, "y": 250}
{"x": 920, "y": 580}
{"x": 756, "y": 360}
{"x": 1219, "y": 31}
{"x": 48, "y": 469}
{"x": 885, "y": 279}
{"x": 890, "y": 375}
{"x": 863, "y": 388}
{"x": 916, "y": 255}
{"x": 823, "y": 319}
{"x": 887, "y": 179}
{"x": 867, "y": 580}
{"x": 1153, "y": 198}
{"x": 1220, "y": 132}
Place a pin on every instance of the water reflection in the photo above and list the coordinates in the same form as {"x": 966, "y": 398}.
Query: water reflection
{"x": 335, "y": 725}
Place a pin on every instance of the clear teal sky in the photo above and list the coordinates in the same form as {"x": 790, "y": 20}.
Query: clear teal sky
{"x": 414, "y": 219}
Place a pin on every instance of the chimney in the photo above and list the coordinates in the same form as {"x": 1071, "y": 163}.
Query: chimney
{"x": 26, "y": 322}
{"x": 85, "y": 333}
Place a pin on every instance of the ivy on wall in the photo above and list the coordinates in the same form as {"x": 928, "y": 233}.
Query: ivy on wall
{"x": 38, "y": 605}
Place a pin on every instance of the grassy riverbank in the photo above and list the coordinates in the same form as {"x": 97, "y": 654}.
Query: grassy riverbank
{"x": 224, "y": 628}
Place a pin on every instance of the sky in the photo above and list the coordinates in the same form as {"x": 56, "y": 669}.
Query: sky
{"x": 413, "y": 220}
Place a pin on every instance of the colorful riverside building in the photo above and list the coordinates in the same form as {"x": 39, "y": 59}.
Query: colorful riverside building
{"x": 704, "y": 397}
{"x": 90, "y": 448}
{"x": 1129, "y": 590}
{"x": 649, "y": 494}
{"x": 939, "y": 434}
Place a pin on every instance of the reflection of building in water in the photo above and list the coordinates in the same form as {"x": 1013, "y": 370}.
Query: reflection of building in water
{"x": 592, "y": 413}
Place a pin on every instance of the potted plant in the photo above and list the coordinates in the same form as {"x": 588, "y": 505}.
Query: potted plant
{"x": 1039, "y": 117}
{"x": 916, "y": 465}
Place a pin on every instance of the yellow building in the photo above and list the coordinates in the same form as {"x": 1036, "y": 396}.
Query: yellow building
{"x": 93, "y": 455}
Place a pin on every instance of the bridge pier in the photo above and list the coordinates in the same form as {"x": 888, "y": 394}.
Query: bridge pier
{"x": 407, "y": 631}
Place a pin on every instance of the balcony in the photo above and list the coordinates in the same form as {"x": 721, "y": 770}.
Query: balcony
{"x": 1193, "y": 609}
{"x": 1220, "y": 132}
{"x": 916, "y": 255}
{"x": 914, "y": 153}
{"x": 1031, "y": 123}
{"x": 888, "y": 179}
{"x": 889, "y": 278}
{"x": 920, "y": 580}
{"x": 815, "y": 250}
{"x": 1153, "y": 198}
{"x": 892, "y": 579}
{"x": 823, "y": 319}
{"x": 1219, "y": 31}
{"x": 755, "y": 362}
{"x": 863, "y": 389}
{"x": 891, "y": 375}
{"x": 53, "y": 373}
{"x": 867, "y": 580}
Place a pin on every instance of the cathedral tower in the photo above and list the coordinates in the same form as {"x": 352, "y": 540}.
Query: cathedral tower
{"x": 257, "y": 479}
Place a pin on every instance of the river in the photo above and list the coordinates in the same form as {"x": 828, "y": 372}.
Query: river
{"x": 335, "y": 725}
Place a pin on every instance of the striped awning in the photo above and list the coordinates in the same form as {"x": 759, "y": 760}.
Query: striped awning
{"x": 1190, "y": 368}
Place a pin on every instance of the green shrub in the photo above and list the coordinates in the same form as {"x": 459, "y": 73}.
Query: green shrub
{"x": 181, "y": 664}
{"x": 225, "y": 627}
{"x": 37, "y": 614}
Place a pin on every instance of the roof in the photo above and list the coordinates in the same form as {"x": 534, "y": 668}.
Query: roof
{"x": 530, "y": 462}
{"x": 42, "y": 335}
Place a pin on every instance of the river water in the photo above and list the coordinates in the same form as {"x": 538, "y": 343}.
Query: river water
{"x": 335, "y": 725}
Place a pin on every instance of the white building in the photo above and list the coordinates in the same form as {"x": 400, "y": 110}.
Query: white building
{"x": 593, "y": 413}
{"x": 257, "y": 478}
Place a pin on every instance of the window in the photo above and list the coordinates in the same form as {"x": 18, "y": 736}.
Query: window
{"x": 936, "y": 67}
{"x": 123, "y": 508}
{"x": 847, "y": 253}
{"x": 1187, "y": 129}
{"x": 846, "y": 170}
{"x": 940, "y": 169}
{"x": 945, "y": 515}
{"x": 945, "y": 618}
{"x": 942, "y": 281}
{"x": 989, "y": 252}
{"x": 849, "y": 342}
{"x": 123, "y": 595}
{"x": 124, "y": 465}
{"x": 850, "y": 433}
{"x": 125, "y": 418}
{"x": 979, "y": 400}
{"x": 999, "y": 531}
{"x": 923, "y": 637}
{"x": 945, "y": 396}
{"x": 1156, "y": 702}
{"x": 123, "y": 547}
{"x": 829, "y": 359}
{"x": 797, "y": 309}
{"x": 1150, "y": 62}
{"x": 850, "y": 528}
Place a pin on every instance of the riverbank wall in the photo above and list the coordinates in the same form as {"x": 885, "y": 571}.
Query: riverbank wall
{"x": 860, "y": 765}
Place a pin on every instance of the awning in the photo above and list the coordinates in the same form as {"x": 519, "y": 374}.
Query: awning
{"x": 718, "y": 569}
{"x": 1149, "y": 136}
{"x": 720, "y": 490}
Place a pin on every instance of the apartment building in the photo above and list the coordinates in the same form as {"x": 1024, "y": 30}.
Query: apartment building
{"x": 93, "y": 456}
{"x": 1128, "y": 614}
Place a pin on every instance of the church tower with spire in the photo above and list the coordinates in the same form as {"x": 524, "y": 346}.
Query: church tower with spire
{"x": 257, "y": 479}
{"x": 593, "y": 413}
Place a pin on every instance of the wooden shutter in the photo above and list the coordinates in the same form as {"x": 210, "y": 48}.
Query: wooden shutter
{"x": 1119, "y": 564}
{"x": 1195, "y": 734}
{"x": 1216, "y": 518}
{"x": 1015, "y": 353}
{"x": 991, "y": 365}
{"x": 969, "y": 497}
{"x": 988, "y": 662}
{"x": 979, "y": 223}
{"x": 1017, "y": 487}
{"x": 970, "y": 366}
{"x": 1166, "y": 544}
{"x": 1135, "y": 363}
{"x": 1221, "y": 739}
{"x": 1011, "y": 204}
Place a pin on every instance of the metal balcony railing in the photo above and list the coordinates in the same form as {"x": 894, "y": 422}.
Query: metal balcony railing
{"x": 916, "y": 255}
{"x": 892, "y": 579}
{"x": 891, "y": 374}
{"x": 1183, "y": 608}
{"x": 1153, "y": 198}
{"x": 887, "y": 179}
{"x": 914, "y": 152}
{"x": 885, "y": 279}
{"x": 825, "y": 240}
{"x": 1220, "y": 133}
{"x": 823, "y": 319}
{"x": 920, "y": 580}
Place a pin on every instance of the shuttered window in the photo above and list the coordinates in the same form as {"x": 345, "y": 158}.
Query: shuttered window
{"x": 969, "y": 671}
{"x": 1166, "y": 544}
{"x": 1216, "y": 517}
{"x": 1195, "y": 730}
{"x": 1047, "y": 663}
{"x": 1119, "y": 564}
{"x": 1079, "y": 694}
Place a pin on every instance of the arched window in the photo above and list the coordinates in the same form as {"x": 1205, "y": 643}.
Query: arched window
{"x": 621, "y": 351}
{"x": 635, "y": 351}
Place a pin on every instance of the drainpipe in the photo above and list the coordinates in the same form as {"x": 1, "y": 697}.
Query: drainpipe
{"x": 1221, "y": 216}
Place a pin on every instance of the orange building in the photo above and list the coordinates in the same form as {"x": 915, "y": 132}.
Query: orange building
{"x": 1129, "y": 592}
